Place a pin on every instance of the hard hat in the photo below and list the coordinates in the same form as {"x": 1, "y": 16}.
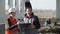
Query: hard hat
{"x": 11, "y": 10}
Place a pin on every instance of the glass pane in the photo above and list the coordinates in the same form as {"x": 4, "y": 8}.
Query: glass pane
{"x": 14, "y": 3}
{"x": 6, "y": 5}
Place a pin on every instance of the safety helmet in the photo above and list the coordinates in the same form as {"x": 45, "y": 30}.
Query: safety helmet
{"x": 11, "y": 10}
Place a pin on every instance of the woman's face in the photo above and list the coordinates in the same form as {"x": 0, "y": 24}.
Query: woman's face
{"x": 13, "y": 14}
{"x": 29, "y": 11}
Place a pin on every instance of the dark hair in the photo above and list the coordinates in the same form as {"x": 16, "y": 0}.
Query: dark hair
{"x": 28, "y": 5}
{"x": 18, "y": 19}
{"x": 11, "y": 13}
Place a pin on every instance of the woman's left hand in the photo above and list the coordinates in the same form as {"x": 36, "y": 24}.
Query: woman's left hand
{"x": 32, "y": 26}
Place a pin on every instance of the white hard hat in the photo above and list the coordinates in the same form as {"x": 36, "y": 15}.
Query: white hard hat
{"x": 11, "y": 10}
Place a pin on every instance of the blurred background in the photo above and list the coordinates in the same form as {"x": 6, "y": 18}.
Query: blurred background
{"x": 48, "y": 12}
{"x": 41, "y": 8}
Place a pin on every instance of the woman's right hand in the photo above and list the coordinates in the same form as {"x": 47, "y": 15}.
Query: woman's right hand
{"x": 18, "y": 22}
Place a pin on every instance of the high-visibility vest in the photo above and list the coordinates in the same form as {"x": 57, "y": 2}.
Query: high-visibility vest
{"x": 13, "y": 22}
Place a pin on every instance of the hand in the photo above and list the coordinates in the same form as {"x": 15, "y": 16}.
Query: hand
{"x": 32, "y": 26}
{"x": 18, "y": 22}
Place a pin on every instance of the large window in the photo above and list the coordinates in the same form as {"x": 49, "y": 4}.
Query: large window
{"x": 19, "y": 5}
{"x": 7, "y": 2}
{"x": 10, "y": 3}
{"x": 14, "y": 2}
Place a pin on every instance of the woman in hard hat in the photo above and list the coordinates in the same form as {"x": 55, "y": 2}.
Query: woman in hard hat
{"x": 11, "y": 26}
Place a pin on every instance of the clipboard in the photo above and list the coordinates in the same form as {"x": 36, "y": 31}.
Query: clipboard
{"x": 26, "y": 25}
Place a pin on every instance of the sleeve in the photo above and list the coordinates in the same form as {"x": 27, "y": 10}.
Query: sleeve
{"x": 37, "y": 23}
{"x": 9, "y": 23}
